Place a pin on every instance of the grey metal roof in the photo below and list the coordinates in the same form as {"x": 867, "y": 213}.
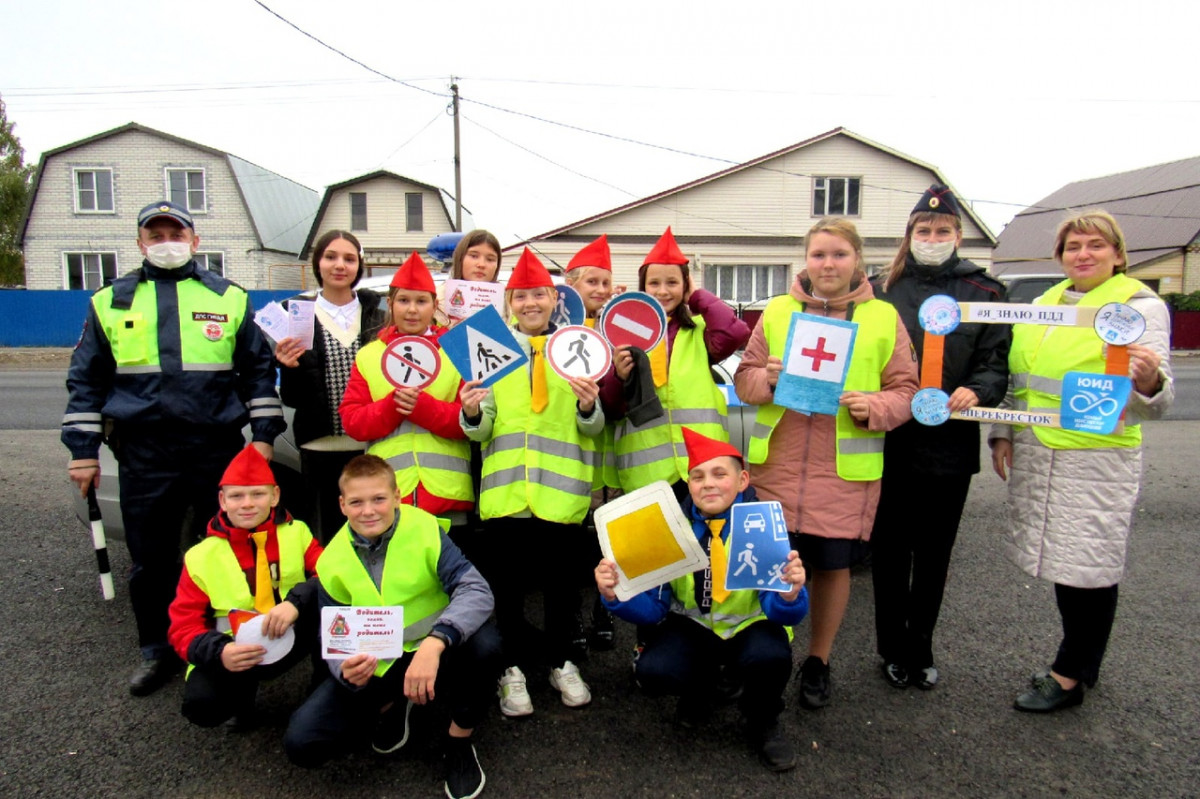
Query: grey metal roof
{"x": 1158, "y": 208}
{"x": 282, "y": 210}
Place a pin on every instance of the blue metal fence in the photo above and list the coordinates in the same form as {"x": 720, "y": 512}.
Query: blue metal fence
{"x": 54, "y": 318}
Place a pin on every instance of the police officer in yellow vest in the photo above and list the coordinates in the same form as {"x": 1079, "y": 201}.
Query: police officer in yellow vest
{"x": 171, "y": 357}
{"x": 256, "y": 558}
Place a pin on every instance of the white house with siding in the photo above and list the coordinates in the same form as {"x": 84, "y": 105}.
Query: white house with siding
{"x": 389, "y": 214}
{"x": 80, "y": 227}
{"x": 743, "y": 227}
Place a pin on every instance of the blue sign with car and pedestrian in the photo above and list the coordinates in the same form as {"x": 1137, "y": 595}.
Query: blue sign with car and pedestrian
{"x": 758, "y": 547}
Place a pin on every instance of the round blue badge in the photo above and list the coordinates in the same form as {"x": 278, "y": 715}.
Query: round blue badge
{"x": 931, "y": 406}
{"x": 939, "y": 314}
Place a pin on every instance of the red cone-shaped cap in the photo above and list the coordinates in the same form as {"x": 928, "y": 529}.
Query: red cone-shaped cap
{"x": 666, "y": 251}
{"x": 595, "y": 254}
{"x": 529, "y": 273}
{"x": 414, "y": 276}
{"x": 702, "y": 449}
{"x": 248, "y": 468}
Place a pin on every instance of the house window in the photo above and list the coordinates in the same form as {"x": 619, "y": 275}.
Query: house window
{"x": 212, "y": 261}
{"x": 835, "y": 196}
{"x": 358, "y": 210}
{"x": 185, "y": 187}
{"x": 90, "y": 270}
{"x": 93, "y": 191}
{"x": 414, "y": 209}
{"x": 746, "y": 283}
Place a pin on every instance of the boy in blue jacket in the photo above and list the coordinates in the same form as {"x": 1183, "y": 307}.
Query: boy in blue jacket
{"x": 703, "y": 628}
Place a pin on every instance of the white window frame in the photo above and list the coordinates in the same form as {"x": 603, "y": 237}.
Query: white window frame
{"x": 420, "y": 195}
{"x": 742, "y": 271}
{"x": 76, "y": 190}
{"x": 187, "y": 191}
{"x": 66, "y": 267}
{"x": 206, "y": 254}
{"x": 822, "y": 183}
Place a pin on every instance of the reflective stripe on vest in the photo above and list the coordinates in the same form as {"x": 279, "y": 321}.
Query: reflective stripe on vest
{"x": 1041, "y": 354}
{"x": 739, "y": 610}
{"x": 859, "y": 451}
{"x": 655, "y": 450}
{"x": 207, "y": 338}
{"x": 538, "y": 462}
{"x": 410, "y": 577}
{"x": 215, "y": 570}
{"x": 442, "y": 465}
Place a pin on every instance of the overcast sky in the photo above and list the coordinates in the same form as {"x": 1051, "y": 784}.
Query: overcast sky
{"x": 1009, "y": 99}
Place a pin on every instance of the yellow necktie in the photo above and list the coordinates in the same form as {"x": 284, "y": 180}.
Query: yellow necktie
{"x": 658, "y": 363}
{"x": 538, "y": 397}
{"x": 718, "y": 559}
{"x": 264, "y": 597}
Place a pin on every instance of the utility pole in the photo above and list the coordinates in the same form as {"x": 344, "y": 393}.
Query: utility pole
{"x": 457, "y": 162}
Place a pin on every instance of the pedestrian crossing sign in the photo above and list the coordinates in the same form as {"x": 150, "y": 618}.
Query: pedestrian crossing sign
{"x": 482, "y": 347}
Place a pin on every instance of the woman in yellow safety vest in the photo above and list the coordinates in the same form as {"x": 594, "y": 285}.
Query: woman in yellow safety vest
{"x": 826, "y": 470}
{"x": 537, "y": 431}
{"x": 1072, "y": 494}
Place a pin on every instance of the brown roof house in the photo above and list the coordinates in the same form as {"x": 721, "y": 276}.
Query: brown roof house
{"x": 1158, "y": 208}
{"x": 80, "y": 228}
{"x": 743, "y": 227}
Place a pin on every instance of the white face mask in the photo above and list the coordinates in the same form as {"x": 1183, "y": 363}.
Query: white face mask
{"x": 932, "y": 253}
{"x": 169, "y": 254}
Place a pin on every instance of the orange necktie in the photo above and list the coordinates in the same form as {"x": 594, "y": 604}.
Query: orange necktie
{"x": 658, "y": 363}
{"x": 718, "y": 559}
{"x": 264, "y": 596}
{"x": 538, "y": 398}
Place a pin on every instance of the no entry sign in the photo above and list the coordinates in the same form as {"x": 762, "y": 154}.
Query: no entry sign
{"x": 411, "y": 362}
{"x": 634, "y": 318}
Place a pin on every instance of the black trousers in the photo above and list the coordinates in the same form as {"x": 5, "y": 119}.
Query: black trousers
{"x": 169, "y": 477}
{"x": 336, "y": 720}
{"x": 1087, "y": 620}
{"x": 519, "y": 555}
{"x": 321, "y": 470}
{"x": 683, "y": 658}
{"x": 915, "y": 528}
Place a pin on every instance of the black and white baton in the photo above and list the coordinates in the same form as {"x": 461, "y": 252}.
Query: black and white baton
{"x": 100, "y": 543}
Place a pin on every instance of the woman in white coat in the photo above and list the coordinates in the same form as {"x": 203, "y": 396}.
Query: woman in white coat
{"x": 1072, "y": 494}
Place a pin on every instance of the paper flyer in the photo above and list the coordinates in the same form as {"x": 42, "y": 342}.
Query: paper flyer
{"x": 351, "y": 629}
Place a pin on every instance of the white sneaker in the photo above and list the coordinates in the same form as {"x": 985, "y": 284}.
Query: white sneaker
{"x": 514, "y": 695}
{"x": 574, "y": 690}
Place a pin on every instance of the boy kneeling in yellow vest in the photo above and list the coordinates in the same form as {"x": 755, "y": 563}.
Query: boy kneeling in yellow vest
{"x": 703, "y": 628}
{"x": 388, "y": 555}
{"x": 256, "y": 556}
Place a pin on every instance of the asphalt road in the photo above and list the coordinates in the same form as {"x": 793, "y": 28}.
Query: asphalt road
{"x": 70, "y": 729}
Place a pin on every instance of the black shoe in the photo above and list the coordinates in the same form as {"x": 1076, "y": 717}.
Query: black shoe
{"x": 816, "y": 688}
{"x": 895, "y": 674}
{"x": 603, "y": 636}
{"x": 775, "y": 750}
{"x": 925, "y": 678}
{"x": 152, "y": 674}
{"x": 464, "y": 777}
{"x": 391, "y": 733}
{"x": 693, "y": 712}
{"x": 728, "y": 687}
{"x": 1048, "y": 696}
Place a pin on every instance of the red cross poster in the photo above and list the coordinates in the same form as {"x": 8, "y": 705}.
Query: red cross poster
{"x": 815, "y": 361}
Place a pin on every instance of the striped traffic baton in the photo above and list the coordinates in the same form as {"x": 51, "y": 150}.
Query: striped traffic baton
{"x": 100, "y": 543}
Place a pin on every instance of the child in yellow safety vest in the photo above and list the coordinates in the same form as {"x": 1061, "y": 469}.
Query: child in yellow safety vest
{"x": 255, "y": 559}
{"x": 537, "y": 431}
{"x": 701, "y": 628}
{"x": 389, "y": 554}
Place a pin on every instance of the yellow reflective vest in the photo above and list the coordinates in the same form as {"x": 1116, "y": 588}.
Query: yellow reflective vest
{"x": 859, "y": 451}
{"x": 410, "y": 577}
{"x": 1042, "y": 354}
{"x": 655, "y": 450}
{"x": 739, "y": 610}
{"x": 442, "y": 465}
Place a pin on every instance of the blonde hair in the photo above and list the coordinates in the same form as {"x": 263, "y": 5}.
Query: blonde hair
{"x": 1097, "y": 223}
{"x": 895, "y": 269}
{"x": 580, "y": 272}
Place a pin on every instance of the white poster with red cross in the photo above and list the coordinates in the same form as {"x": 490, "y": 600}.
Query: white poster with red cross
{"x": 815, "y": 362}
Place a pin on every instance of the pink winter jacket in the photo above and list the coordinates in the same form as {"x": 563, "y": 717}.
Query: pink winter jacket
{"x": 801, "y": 469}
